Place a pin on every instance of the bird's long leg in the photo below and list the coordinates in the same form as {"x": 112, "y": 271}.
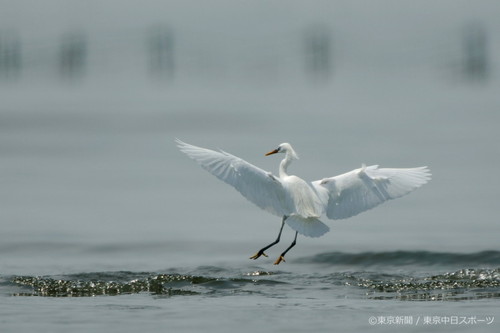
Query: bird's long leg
{"x": 282, "y": 256}
{"x": 261, "y": 251}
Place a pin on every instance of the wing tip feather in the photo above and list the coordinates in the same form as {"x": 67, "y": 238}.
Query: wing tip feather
{"x": 182, "y": 145}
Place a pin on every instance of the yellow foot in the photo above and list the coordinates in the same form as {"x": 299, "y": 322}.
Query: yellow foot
{"x": 258, "y": 254}
{"x": 280, "y": 259}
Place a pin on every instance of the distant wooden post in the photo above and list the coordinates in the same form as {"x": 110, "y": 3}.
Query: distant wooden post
{"x": 475, "y": 49}
{"x": 73, "y": 55}
{"x": 161, "y": 53}
{"x": 10, "y": 55}
{"x": 318, "y": 52}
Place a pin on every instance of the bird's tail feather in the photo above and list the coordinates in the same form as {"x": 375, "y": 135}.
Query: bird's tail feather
{"x": 307, "y": 226}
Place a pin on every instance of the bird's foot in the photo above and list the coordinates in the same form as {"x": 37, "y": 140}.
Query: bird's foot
{"x": 280, "y": 259}
{"x": 258, "y": 254}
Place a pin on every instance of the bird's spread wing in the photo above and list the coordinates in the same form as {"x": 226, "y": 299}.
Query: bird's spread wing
{"x": 255, "y": 184}
{"x": 356, "y": 191}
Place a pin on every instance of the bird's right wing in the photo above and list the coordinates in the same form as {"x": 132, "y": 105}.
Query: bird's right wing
{"x": 255, "y": 184}
{"x": 356, "y": 191}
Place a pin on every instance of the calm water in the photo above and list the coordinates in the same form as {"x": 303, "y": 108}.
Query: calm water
{"x": 324, "y": 291}
{"x": 105, "y": 226}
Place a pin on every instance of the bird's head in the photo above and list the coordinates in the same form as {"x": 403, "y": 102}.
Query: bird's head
{"x": 285, "y": 148}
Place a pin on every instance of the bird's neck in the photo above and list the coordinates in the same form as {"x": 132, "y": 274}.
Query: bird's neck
{"x": 284, "y": 166}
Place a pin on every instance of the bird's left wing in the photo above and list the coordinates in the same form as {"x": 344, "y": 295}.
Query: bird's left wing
{"x": 354, "y": 192}
{"x": 255, "y": 184}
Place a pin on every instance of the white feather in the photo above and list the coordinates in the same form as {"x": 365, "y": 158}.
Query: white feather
{"x": 255, "y": 184}
{"x": 310, "y": 226}
{"x": 356, "y": 191}
{"x": 339, "y": 197}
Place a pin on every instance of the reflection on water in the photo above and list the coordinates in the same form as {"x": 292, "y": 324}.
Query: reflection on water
{"x": 462, "y": 284}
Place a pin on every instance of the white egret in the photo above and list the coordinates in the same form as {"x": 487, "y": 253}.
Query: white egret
{"x": 299, "y": 203}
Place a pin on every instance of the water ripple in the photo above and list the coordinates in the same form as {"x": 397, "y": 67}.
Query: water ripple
{"x": 119, "y": 283}
{"x": 464, "y": 284}
{"x": 422, "y": 282}
{"x": 401, "y": 258}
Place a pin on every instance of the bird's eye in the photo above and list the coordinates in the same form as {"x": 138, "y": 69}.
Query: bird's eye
{"x": 278, "y": 149}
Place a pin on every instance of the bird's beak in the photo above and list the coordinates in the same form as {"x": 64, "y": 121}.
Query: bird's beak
{"x": 272, "y": 152}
